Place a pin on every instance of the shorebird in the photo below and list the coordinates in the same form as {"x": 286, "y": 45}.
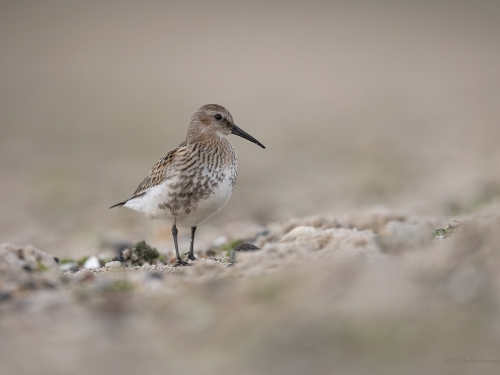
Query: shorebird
{"x": 194, "y": 180}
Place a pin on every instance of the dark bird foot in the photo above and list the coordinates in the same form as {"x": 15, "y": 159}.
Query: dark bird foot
{"x": 180, "y": 263}
{"x": 190, "y": 256}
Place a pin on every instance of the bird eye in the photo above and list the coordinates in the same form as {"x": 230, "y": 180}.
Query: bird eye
{"x": 218, "y": 117}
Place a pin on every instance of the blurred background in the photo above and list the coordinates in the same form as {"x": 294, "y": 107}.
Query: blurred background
{"x": 387, "y": 103}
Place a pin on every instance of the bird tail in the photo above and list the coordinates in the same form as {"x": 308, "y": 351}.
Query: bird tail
{"x": 118, "y": 204}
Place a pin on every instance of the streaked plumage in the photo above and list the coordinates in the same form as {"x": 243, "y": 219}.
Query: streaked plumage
{"x": 194, "y": 180}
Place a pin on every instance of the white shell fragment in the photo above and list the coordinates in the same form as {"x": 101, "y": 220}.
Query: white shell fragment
{"x": 113, "y": 264}
{"x": 298, "y": 233}
{"x": 92, "y": 263}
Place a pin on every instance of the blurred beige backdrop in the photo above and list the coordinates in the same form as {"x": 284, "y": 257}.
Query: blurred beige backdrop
{"x": 388, "y": 103}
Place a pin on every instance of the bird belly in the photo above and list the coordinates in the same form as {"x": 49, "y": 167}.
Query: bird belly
{"x": 204, "y": 208}
{"x": 185, "y": 203}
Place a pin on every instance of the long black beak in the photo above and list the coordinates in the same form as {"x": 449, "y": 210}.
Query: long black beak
{"x": 243, "y": 134}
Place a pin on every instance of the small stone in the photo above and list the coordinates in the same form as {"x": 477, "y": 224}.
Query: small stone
{"x": 67, "y": 266}
{"x": 113, "y": 264}
{"x": 27, "y": 268}
{"x": 4, "y": 296}
{"x": 245, "y": 246}
{"x": 125, "y": 254}
{"x": 155, "y": 275}
{"x": 92, "y": 263}
{"x": 299, "y": 233}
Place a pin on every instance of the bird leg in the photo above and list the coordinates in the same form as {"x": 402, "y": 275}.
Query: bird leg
{"x": 178, "y": 260}
{"x": 190, "y": 254}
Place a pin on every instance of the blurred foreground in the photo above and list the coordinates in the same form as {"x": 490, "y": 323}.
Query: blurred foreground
{"x": 366, "y": 292}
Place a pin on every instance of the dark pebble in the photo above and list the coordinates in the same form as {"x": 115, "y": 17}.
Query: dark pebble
{"x": 5, "y": 296}
{"x": 155, "y": 275}
{"x": 27, "y": 268}
{"x": 245, "y": 246}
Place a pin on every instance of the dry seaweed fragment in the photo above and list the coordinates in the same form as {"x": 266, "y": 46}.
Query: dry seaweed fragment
{"x": 444, "y": 233}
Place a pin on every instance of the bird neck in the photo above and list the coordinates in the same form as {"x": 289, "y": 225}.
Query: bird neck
{"x": 211, "y": 141}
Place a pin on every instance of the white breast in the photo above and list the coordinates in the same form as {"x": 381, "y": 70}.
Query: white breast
{"x": 150, "y": 202}
{"x": 205, "y": 208}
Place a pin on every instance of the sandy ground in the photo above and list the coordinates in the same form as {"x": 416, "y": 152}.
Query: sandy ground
{"x": 365, "y": 292}
{"x": 380, "y": 121}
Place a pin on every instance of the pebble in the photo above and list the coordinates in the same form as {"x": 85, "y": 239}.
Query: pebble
{"x": 113, "y": 264}
{"x": 92, "y": 263}
{"x": 67, "y": 266}
{"x": 299, "y": 233}
{"x": 125, "y": 254}
{"x": 245, "y": 246}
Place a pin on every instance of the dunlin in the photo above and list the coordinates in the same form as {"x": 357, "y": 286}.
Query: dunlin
{"x": 194, "y": 180}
